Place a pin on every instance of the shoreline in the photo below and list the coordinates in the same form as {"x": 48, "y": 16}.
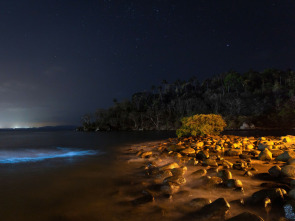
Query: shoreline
{"x": 177, "y": 191}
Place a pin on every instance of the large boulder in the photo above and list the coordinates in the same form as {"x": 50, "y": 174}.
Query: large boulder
{"x": 246, "y": 216}
{"x": 265, "y": 155}
{"x": 275, "y": 171}
{"x": 215, "y": 210}
{"x": 286, "y": 156}
{"x": 288, "y": 171}
{"x": 274, "y": 194}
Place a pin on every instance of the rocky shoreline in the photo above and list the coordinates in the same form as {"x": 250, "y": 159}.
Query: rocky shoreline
{"x": 212, "y": 178}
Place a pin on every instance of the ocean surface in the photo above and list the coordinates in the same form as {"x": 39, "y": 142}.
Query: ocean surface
{"x": 51, "y": 175}
{"x": 67, "y": 175}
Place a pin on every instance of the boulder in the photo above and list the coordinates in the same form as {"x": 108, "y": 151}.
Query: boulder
{"x": 169, "y": 166}
{"x": 202, "y": 155}
{"x": 227, "y": 164}
{"x": 286, "y": 156}
{"x": 211, "y": 181}
{"x": 224, "y": 175}
{"x": 179, "y": 171}
{"x": 265, "y": 155}
{"x": 210, "y": 162}
{"x": 146, "y": 154}
{"x": 234, "y": 183}
{"x": 200, "y": 172}
{"x": 199, "y": 203}
{"x": 169, "y": 188}
{"x": 175, "y": 148}
{"x": 192, "y": 162}
{"x": 215, "y": 210}
{"x": 143, "y": 200}
{"x": 275, "y": 171}
{"x": 288, "y": 171}
{"x": 246, "y": 216}
{"x": 274, "y": 194}
{"x": 233, "y": 152}
{"x": 179, "y": 180}
{"x": 163, "y": 174}
{"x": 188, "y": 151}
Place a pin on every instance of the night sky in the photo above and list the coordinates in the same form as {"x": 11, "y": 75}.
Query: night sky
{"x": 62, "y": 59}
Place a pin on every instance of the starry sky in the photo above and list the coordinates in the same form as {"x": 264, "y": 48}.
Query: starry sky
{"x": 60, "y": 59}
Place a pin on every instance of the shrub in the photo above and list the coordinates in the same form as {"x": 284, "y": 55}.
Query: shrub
{"x": 201, "y": 124}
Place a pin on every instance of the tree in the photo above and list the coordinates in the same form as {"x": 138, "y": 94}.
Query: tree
{"x": 203, "y": 124}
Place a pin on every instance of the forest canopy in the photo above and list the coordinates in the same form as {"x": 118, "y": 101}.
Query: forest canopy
{"x": 265, "y": 99}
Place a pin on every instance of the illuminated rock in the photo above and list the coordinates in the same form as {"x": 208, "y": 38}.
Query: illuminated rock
{"x": 265, "y": 155}
{"x": 169, "y": 166}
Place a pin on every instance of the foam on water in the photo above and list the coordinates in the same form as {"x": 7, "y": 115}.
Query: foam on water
{"x": 33, "y": 155}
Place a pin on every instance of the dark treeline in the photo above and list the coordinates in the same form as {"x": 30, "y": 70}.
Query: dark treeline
{"x": 266, "y": 99}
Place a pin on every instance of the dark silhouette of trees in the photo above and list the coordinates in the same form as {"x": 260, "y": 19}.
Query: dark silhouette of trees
{"x": 264, "y": 98}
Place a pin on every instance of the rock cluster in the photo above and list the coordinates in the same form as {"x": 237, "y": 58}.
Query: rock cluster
{"x": 219, "y": 157}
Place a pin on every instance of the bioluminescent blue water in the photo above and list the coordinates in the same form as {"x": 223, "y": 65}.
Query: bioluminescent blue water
{"x": 33, "y": 155}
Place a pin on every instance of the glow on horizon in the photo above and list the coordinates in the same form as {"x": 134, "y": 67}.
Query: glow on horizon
{"x": 33, "y": 155}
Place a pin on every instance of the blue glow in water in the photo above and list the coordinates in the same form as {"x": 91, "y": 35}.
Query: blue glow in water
{"x": 30, "y": 155}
